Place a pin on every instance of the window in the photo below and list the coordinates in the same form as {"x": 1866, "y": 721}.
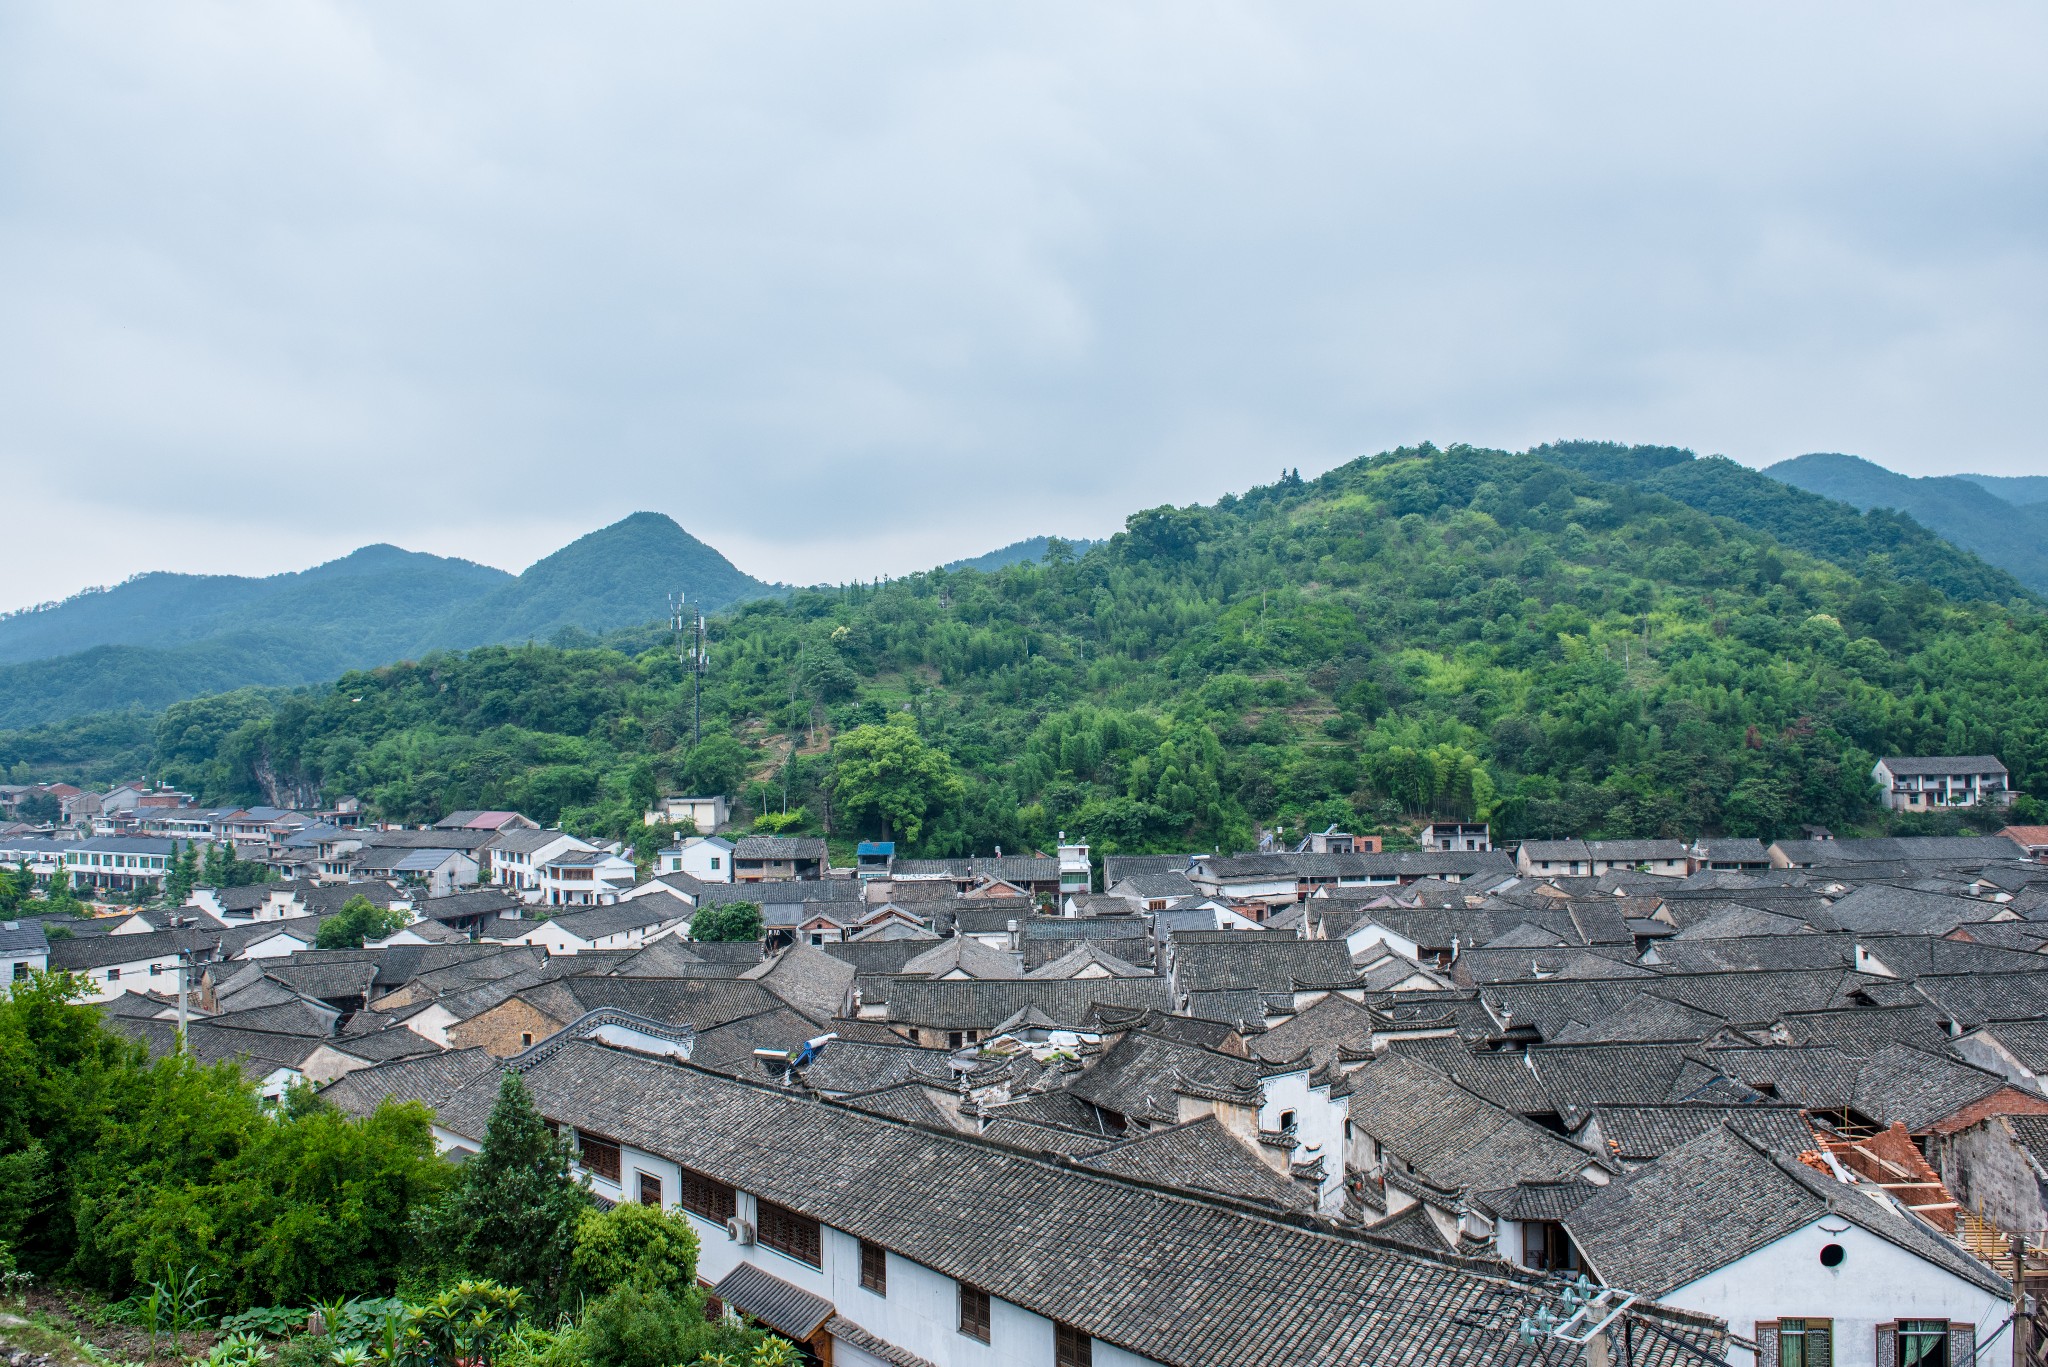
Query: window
{"x": 650, "y": 1189}
{"x": 974, "y": 1312}
{"x": 785, "y": 1231}
{"x": 714, "y": 861}
{"x": 1072, "y": 1347}
{"x": 706, "y": 1196}
{"x": 1547, "y": 1248}
{"x": 953, "y": 1039}
{"x": 1286, "y": 1120}
{"x": 526, "y": 1037}
{"x": 113, "y": 975}
{"x": 600, "y": 1156}
{"x": 1923, "y": 1343}
{"x": 874, "y": 1268}
{"x": 1806, "y": 1343}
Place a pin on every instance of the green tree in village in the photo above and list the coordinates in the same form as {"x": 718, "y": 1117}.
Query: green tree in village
{"x": 358, "y": 920}
{"x": 886, "y": 778}
{"x": 225, "y": 869}
{"x": 728, "y": 921}
{"x": 512, "y": 1215}
{"x": 183, "y": 874}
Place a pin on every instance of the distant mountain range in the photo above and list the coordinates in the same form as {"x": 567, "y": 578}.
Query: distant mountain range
{"x": 1016, "y": 553}
{"x": 2003, "y": 518}
{"x": 160, "y": 638}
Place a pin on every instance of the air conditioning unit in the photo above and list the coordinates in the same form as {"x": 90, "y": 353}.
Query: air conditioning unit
{"x": 739, "y": 1231}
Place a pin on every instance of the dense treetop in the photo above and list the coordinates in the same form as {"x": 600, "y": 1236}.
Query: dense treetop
{"x": 1542, "y": 639}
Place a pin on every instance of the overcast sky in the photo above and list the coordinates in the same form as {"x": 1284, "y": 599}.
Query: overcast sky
{"x": 855, "y": 288}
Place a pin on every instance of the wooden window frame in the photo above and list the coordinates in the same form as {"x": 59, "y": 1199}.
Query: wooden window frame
{"x": 1807, "y": 1324}
{"x": 707, "y": 1197}
{"x": 790, "y": 1233}
{"x": 1072, "y": 1347}
{"x": 598, "y": 1154}
{"x": 648, "y": 1184}
{"x": 975, "y": 1314}
{"x": 874, "y": 1268}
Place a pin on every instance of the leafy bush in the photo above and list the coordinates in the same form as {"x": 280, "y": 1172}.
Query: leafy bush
{"x": 729, "y": 921}
{"x": 633, "y": 1245}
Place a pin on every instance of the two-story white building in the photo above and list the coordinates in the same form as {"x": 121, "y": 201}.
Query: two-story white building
{"x": 873, "y": 1241}
{"x": 1929, "y": 782}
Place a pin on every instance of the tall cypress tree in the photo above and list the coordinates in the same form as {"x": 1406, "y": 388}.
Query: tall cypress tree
{"x": 512, "y": 1215}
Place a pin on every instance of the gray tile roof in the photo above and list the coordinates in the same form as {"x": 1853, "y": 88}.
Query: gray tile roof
{"x": 1165, "y": 1276}
{"x": 23, "y": 938}
{"x": 1941, "y": 765}
{"x": 1718, "y": 1198}
{"x": 1254, "y": 960}
{"x": 1640, "y": 1134}
{"x": 432, "y": 1079}
{"x": 789, "y": 1310}
{"x": 977, "y": 1005}
{"x": 1201, "y": 1156}
{"x": 1452, "y": 1138}
{"x": 1142, "y": 1075}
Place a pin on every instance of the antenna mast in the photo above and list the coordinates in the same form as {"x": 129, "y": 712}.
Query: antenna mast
{"x": 695, "y": 658}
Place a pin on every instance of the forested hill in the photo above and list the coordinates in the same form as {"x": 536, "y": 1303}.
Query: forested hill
{"x": 159, "y": 638}
{"x": 1845, "y": 530}
{"x": 2002, "y": 520}
{"x": 1424, "y": 632}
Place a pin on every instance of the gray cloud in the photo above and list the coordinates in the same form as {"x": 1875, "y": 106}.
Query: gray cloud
{"x": 855, "y": 289}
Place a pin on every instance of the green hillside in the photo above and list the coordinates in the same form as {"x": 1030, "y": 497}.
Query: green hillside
{"x": 1424, "y": 632}
{"x": 1961, "y": 508}
{"x": 371, "y": 593}
{"x": 618, "y": 576}
{"x": 1821, "y": 526}
{"x": 160, "y": 638}
{"x": 2014, "y": 489}
{"x": 1025, "y": 552}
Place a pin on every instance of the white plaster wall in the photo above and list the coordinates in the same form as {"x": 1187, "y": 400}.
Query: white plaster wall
{"x": 145, "y": 975}
{"x": 1875, "y": 1283}
{"x": 919, "y": 1313}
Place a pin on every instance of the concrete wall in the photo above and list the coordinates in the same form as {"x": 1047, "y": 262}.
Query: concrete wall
{"x": 1990, "y": 1173}
{"x": 1876, "y": 1282}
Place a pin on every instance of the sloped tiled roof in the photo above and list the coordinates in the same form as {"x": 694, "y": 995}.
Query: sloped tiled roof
{"x": 1201, "y": 1156}
{"x": 1718, "y": 1198}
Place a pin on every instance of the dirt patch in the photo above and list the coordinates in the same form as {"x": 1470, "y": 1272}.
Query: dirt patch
{"x": 64, "y": 1311}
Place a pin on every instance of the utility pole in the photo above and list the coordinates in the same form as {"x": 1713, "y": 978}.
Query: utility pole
{"x": 694, "y": 657}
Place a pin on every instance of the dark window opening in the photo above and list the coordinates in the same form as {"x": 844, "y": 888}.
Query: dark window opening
{"x": 953, "y": 1039}
{"x": 974, "y": 1312}
{"x": 1072, "y": 1347}
{"x": 600, "y": 1156}
{"x": 1923, "y": 1343}
{"x": 785, "y": 1231}
{"x": 708, "y": 1197}
{"x": 650, "y": 1189}
{"x": 1547, "y": 1248}
{"x": 874, "y": 1268}
{"x": 526, "y": 1037}
{"x": 1807, "y": 1343}
{"x": 1831, "y": 1255}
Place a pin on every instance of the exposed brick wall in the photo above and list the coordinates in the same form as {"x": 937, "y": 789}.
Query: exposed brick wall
{"x": 2004, "y": 1101}
{"x": 500, "y": 1029}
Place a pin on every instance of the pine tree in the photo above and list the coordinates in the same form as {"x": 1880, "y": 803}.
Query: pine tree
{"x": 512, "y": 1216}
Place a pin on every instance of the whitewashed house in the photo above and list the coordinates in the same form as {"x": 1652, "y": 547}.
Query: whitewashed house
{"x": 706, "y": 858}
{"x": 1816, "y": 1270}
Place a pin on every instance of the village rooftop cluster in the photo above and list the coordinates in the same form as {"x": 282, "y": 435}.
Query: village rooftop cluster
{"x": 1714, "y": 1100}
